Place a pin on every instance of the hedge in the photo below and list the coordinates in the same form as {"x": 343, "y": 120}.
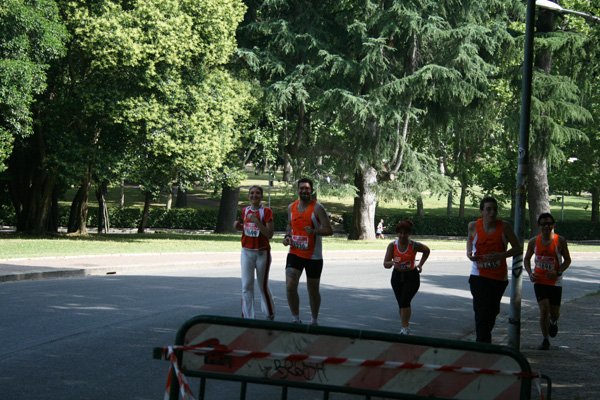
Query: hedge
{"x": 455, "y": 226}
{"x": 175, "y": 218}
{"x": 206, "y": 219}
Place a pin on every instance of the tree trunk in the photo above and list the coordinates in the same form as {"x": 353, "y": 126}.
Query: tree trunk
{"x": 40, "y": 223}
{"x": 79, "y": 207}
{"x": 72, "y": 223}
{"x": 227, "y": 210}
{"x": 420, "y": 209}
{"x": 32, "y": 186}
{"x": 449, "y": 203}
{"x": 52, "y": 225}
{"x": 169, "y": 197}
{"x": 363, "y": 224}
{"x": 595, "y": 204}
{"x": 287, "y": 168}
{"x": 144, "y": 221}
{"x": 122, "y": 198}
{"x": 463, "y": 200}
{"x": 101, "y": 192}
{"x": 539, "y": 197}
{"x": 181, "y": 201}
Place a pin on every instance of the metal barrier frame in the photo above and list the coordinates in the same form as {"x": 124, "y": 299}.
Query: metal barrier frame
{"x": 526, "y": 381}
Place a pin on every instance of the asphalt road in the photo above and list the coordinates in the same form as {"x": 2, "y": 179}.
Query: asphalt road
{"x": 92, "y": 337}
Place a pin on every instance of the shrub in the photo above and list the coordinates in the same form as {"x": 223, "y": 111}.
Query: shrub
{"x": 7, "y": 215}
{"x": 429, "y": 226}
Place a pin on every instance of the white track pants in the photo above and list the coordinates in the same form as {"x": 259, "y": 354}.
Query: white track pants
{"x": 259, "y": 261}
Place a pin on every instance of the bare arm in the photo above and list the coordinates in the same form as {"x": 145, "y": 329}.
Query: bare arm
{"x": 388, "y": 261}
{"x": 563, "y": 249}
{"x": 325, "y": 229}
{"x": 420, "y": 247}
{"x": 287, "y": 240}
{"x": 527, "y": 259}
{"x": 238, "y": 224}
{"x": 470, "y": 237}
{"x": 266, "y": 229}
{"x": 516, "y": 248}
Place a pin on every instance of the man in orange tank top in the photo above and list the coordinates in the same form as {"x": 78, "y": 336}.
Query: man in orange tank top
{"x": 307, "y": 222}
{"x": 487, "y": 249}
{"x": 552, "y": 258}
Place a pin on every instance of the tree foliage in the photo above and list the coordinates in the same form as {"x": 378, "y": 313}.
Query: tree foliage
{"x": 31, "y": 36}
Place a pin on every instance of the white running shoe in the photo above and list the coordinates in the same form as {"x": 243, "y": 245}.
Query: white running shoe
{"x": 404, "y": 331}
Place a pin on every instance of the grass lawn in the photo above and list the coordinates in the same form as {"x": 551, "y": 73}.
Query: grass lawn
{"x": 18, "y": 246}
{"x": 281, "y": 194}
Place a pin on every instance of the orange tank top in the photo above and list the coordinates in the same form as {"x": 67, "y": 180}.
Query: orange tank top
{"x": 483, "y": 244}
{"x": 305, "y": 245}
{"x": 407, "y": 257}
{"x": 547, "y": 258}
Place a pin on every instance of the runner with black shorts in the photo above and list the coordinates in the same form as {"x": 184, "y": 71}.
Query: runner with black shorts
{"x": 406, "y": 280}
{"x": 552, "y": 258}
{"x": 307, "y": 222}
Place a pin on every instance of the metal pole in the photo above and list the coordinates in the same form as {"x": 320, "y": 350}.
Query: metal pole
{"x": 514, "y": 327}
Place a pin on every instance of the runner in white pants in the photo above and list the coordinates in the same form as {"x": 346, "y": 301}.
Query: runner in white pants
{"x": 256, "y": 223}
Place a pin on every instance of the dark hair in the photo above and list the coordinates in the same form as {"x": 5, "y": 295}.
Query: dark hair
{"x": 306, "y": 180}
{"x": 256, "y": 187}
{"x": 405, "y": 225}
{"x": 545, "y": 215}
{"x": 487, "y": 199}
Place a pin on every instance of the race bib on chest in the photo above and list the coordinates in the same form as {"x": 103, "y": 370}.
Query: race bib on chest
{"x": 300, "y": 242}
{"x": 403, "y": 265}
{"x": 544, "y": 262}
{"x": 251, "y": 229}
{"x": 488, "y": 264}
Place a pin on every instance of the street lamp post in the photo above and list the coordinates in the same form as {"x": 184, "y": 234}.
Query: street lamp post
{"x": 552, "y": 6}
{"x": 514, "y": 320}
{"x": 514, "y": 327}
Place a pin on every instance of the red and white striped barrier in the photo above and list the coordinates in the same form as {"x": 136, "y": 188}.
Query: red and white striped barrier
{"x": 430, "y": 368}
{"x": 345, "y": 361}
{"x": 184, "y": 387}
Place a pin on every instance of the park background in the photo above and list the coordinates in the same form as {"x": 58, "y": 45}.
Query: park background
{"x": 162, "y": 109}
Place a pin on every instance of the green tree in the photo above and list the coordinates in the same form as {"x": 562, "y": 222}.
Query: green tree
{"x": 143, "y": 82}
{"x": 556, "y": 109}
{"x": 358, "y": 77}
{"x": 31, "y": 35}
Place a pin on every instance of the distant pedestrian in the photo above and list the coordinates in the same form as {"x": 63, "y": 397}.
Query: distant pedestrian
{"x": 256, "y": 223}
{"x": 406, "y": 280}
{"x": 487, "y": 249}
{"x": 552, "y": 258}
{"x": 307, "y": 223}
{"x": 380, "y": 229}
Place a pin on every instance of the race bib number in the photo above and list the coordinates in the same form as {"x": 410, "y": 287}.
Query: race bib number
{"x": 488, "y": 264}
{"x": 300, "y": 242}
{"x": 403, "y": 265}
{"x": 544, "y": 262}
{"x": 251, "y": 229}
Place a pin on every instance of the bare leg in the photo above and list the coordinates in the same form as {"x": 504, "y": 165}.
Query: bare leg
{"x": 314, "y": 296}
{"x": 554, "y": 313}
{"x": 405, "y": 316}
{"x": 544, "y": 316}
{"x": 292, "y": 278}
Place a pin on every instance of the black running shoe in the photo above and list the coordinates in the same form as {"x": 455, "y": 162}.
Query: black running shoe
{"x": 553, "y": 329}
{"x": 545, "y": 345}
